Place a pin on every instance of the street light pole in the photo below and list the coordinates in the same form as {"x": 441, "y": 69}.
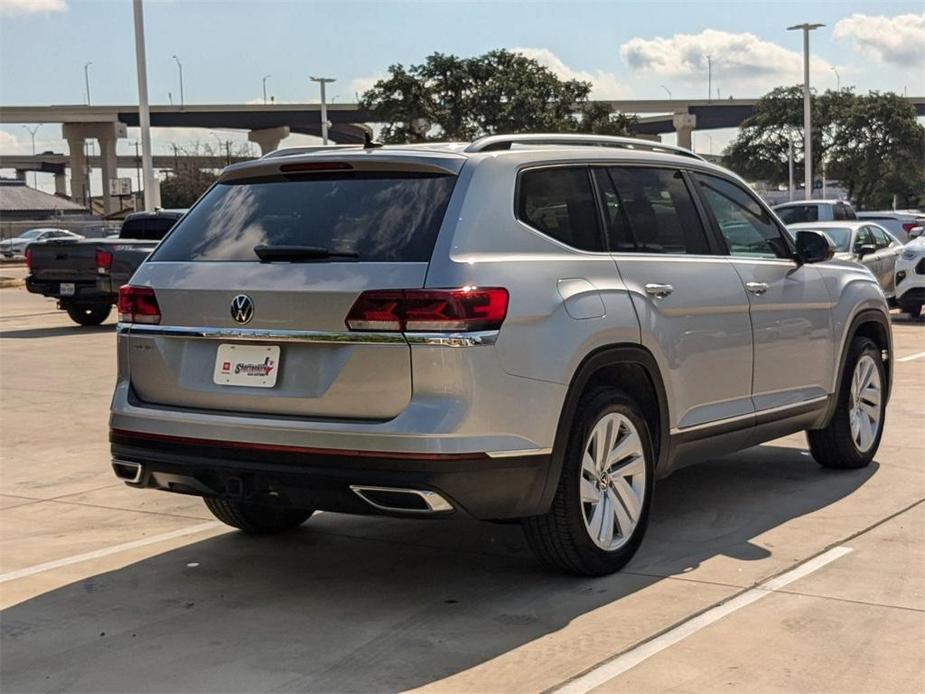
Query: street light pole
{"x": 667, "y": 91}
{"x": 807, "y": 111}
{"x": 152, "y": 193}
{"x": 709, "y": 78}
{"x": 837, "y": 79}
{"x": 790, "y": 167}
{"x": 180, "y": 67}
{"x": 265, "y": 78}
{"x": 87, "y": 79}
{"x": 32, "y": 132}
{"x": 324, "y": 106}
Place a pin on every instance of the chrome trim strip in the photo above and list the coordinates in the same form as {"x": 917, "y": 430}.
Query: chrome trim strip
{"x": 518, "y": 453}
{"x": 258, "y": 334}
{"x": 435, "y": 502}
{"x": 128, "y": 464}
{"x": 756, "y": 413}
{"x": 487, "y": 337}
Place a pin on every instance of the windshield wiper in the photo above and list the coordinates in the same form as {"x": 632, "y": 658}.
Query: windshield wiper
{"x": 298, "y": 254}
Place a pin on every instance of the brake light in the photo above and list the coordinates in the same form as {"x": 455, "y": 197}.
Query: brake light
{"x": 138, "y": 305}
{"x": 103, "y": 262}
{"x": 909, "y": 226}
{"x": 28, "y": 255}
{"x": 429, "y": 310}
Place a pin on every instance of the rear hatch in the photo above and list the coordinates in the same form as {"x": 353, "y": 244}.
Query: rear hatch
{"x": 332, "y": 233}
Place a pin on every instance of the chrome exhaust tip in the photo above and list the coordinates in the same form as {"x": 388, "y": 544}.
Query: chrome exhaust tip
{"x": 127, "y": 471}
{"x": 399, "y": 500}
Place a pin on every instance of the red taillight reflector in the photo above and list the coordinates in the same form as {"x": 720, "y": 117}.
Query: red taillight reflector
{"x": 315, "y": 166}
{"x": 138, "y": 305}
{"x": 909, "y": 226}
{"x": 103, "y": 262}
{"x": 28, "y": 254}
{"x": 429, "y": 310}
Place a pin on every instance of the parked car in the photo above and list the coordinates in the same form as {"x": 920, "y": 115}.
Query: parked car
{"x": 799, "y": 211}
{"x": 85, "y": 276}
{"x": 866, "y": 243}
{"x": 528, "y": 328}
{"x": 901, "y": 223}
{"x": 17, "y": 245}
{"x": 910, "y": 277}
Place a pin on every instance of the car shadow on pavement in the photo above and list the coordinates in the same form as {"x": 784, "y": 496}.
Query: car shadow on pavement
{"x": 371, "y": 604}
{"x": 58, "y": 331}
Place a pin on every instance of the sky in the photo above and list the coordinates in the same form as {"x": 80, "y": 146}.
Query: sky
{"x": 626, "y": 48}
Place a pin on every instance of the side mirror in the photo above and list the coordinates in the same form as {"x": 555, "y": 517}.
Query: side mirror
{"x": 865, "y": 249}
{"x": 813, "y": 247}
{"x": 916, "y": 232}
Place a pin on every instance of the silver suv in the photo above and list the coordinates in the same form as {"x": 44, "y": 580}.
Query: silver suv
{"x": 524, "y": 327}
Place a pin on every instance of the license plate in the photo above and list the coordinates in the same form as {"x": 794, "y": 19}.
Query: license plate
{"x": 246, "y": 365}
{"x": 67, "y": 289}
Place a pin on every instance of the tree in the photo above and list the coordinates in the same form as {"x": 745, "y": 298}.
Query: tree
{"x": 452, "y": 98}
{"x": 194, "y": 171}
{"x": 871, "y": 143}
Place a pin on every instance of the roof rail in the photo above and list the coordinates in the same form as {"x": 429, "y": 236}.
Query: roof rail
{"x": 493, "y": 143}
{"x": 291, "y": 151}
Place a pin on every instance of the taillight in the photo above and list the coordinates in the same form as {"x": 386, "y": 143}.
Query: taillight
{"x": 429, "y": 310}
{"x": 28, "y": 254}
{"x": 103, "y": 262}
{"x": 909, "y": 226}
{"x": 138, "y": 305}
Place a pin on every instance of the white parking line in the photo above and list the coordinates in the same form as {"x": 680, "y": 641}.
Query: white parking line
{"x": 106, "y": 551}
{"x": 630, "y": 659}
{"x": 910, "y": 357}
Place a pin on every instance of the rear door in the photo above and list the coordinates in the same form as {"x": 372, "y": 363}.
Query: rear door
{"x": 887, "y": 253}
{"x": 790, "y": 307}
{"x": 217, "y": 299}
{"x": 692, "y": 309}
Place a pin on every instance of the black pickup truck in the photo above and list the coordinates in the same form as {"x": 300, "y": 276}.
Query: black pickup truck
{"x": 85, "y": 276}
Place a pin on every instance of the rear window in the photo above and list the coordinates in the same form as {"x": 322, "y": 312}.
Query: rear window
{"x": 146, "y": 229}
{"x": 795, "y": 214}
{"x": 378, "y": 216}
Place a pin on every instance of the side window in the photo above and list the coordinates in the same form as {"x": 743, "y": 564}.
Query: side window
{"x": 559, "y": 203}
{"x": 747, "y": 228}
{"x": 650, "y": 211}
{"x": 880, "y": 238}
{"x": 838, "y": 212}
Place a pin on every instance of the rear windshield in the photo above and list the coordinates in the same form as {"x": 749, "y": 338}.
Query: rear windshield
{"x": 146, "y": 229}
{"x": 378, "y": 216}
{"x": 795, "y": 214}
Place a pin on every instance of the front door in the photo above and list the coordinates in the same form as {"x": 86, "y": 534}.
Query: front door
{"x": 790, "y": 307}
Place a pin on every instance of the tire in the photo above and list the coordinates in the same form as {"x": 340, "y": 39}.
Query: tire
{"x": 914, "y": 310}
{"x": 567, "y": 536}
{"x": 256, "y": 519}
{"x": 843, "y": 444}
{"x": 88, "y": 314}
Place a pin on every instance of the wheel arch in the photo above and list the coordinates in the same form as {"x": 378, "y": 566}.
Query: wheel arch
{"x": 633, "y": 369}
{"x": 874, "y": 325}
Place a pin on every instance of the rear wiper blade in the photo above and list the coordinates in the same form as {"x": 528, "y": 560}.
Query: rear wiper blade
{"x": 295, "y": 254}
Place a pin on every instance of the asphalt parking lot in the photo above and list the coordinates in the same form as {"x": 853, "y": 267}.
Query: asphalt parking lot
{"x": 760, "y": 571}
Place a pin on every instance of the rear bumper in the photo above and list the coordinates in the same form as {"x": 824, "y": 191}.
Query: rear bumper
{"x": 484, "y": 487}
{"x": 98, "y": 291}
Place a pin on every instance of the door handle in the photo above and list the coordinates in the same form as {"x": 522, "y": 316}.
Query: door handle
{"x": 756, "y": 287}
{"x": 659, "y": 291}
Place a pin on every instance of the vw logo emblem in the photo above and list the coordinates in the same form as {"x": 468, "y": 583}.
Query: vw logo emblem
{"x": 242, "y": 308}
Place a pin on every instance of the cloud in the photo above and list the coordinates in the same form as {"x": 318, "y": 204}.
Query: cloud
{"x": 899, "y": 40}
{"x": 21, "y": 7}
{"x": 605, "y": 85}
{"x": 739, "y": 60}
{"x": 359, "y": 85}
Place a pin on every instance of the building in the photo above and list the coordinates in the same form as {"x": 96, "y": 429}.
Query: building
{"x": 20, "y": 202}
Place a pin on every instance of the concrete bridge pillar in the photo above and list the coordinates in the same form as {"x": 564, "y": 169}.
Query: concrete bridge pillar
{"x": 684, "y": 124}
{"x": 60, "y": 185}
{"x": 269, "y": 138}
{"x": 107, "y": 134}
{"x": 21, "y": 174}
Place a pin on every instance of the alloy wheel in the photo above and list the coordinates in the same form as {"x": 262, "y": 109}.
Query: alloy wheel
{"x": 865, "y": 410}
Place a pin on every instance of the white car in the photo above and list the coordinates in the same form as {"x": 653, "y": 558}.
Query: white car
{"x": 910, "y": 277}
{"x": 17, "y": 245}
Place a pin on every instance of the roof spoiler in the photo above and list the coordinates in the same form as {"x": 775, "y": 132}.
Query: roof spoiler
{"x": 494, "y": 143}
